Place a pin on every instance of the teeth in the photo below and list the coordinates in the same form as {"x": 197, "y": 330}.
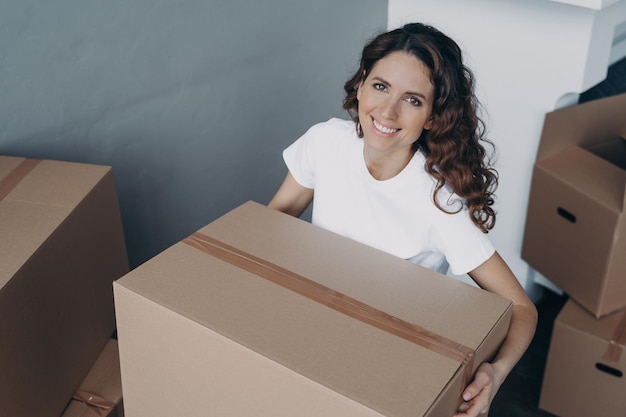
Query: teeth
{"x": 383, "y": 128}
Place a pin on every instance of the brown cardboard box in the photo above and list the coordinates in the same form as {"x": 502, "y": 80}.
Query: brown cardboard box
{"x": 61, "y": 246}
{"x": 584, "y": 373}
{"x": 100, "y": 393}
{"x": 262, "y": 314}
{"x": 576, "y": 228}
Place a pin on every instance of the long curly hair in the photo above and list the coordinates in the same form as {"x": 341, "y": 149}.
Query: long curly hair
{"x": 454, "y": 147}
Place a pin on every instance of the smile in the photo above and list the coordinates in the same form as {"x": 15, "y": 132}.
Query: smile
{"x": 382, "y": 128}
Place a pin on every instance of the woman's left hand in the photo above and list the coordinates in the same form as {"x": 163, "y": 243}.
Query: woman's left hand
{"x": 495, "y": 276}
{"x": 478, "y": 395}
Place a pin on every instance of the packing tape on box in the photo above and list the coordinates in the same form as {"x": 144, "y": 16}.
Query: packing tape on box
{"x": 99, "y": 405}
{"x": 336, "y": 300}
{"x": 16, "y": 175}
{"x": 616, "y": 344}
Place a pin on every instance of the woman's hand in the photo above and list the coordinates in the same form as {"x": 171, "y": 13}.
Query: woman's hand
{"x": 478, "y": 395}
{"x": 495, "y": 276}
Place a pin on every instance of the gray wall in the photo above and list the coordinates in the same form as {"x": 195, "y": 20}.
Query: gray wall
{"x": 190, "y": 101}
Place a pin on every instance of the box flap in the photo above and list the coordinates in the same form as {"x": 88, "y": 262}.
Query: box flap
{"x": 584, "y": 124}
{"x": 589, "y": 174}
{"x": 612, "y": 151}
{"x": 576, "y": 316}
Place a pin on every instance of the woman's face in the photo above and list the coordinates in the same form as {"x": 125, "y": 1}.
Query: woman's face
{"x": 395, "y": 104}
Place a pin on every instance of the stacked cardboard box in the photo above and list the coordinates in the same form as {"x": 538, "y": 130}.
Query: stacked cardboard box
{"x": 585, "y": 373}
{"x": 263, "y": 314}
{"x": 576, "y": 237}
{"x": 576, "y": 226}
{"x": 61, "y": 246}
{"x": 100, "y": 393}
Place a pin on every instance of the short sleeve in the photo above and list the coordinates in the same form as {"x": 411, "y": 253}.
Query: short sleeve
{"x": 316, "y": 149}
{"x": 300, "y": 158}
{"x": 464, "y": 245}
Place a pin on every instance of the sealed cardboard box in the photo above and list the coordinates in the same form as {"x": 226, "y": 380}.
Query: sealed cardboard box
{"x": 575, "y": 231}
{"x": 61, "y": 246}
{"x": 584, "y": 373}
{"x": 100, "y": 393}
{"x": 262, "y": 314}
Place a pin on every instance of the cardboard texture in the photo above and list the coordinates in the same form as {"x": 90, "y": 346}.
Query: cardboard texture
{"x": 575, "y": 231}
{"x": 103, "y": 384}
{"x": 584, "y": 373}
{"x": 281, "y": 318}
{"x": 61, "y": 246}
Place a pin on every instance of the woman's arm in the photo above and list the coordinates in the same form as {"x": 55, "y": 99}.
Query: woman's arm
{"x": 495, "y": 276}
{"x": 291, "y": 197}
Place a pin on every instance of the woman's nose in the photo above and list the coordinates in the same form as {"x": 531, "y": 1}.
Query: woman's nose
{"x": 390, "y": 109}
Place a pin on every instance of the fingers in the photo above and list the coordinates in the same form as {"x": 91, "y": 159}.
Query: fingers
{"x": 471, "y": 410}
{"x": 480, "y": 382}
{"x": 476, "y": 397}
{"x": 463, "y": 409}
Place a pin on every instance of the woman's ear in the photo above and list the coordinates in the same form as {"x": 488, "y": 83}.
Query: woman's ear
{"x": 360, "y": 86}
{"x": 429, "y": 123}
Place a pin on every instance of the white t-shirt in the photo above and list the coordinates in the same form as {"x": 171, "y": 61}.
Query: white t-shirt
{"x": 397, "y": 215}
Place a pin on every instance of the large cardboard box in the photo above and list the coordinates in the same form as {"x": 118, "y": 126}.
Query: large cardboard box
{"x": 584, "y": 373}
{"x": 100, "y": 393}
{"x": 576, "y": 225}
{"x": 61, "y": 247}
{"x": 262, "y": 314}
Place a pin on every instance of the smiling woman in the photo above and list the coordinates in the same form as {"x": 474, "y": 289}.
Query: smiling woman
{"x": 410, "y": 175}
{"x": 395, "y": 106}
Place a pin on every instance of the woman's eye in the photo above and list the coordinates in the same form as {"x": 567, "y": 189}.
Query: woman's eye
{"x": 379, "y": 87}
{"x": 414, "y": 101}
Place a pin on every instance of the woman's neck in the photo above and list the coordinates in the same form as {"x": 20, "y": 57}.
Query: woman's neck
{"x": 383, "y": 167}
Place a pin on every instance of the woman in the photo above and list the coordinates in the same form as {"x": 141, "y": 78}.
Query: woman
{"x": 409, "y": 175}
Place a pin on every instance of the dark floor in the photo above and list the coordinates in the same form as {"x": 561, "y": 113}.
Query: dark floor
{"x": 615, "y": 83}
{"x": 519, "y": 395}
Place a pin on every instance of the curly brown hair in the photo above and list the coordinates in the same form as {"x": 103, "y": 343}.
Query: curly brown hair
{"x": 454, "y": 146}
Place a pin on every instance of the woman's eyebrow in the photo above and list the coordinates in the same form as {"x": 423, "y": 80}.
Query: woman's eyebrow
{"x": 412, "y": 93}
